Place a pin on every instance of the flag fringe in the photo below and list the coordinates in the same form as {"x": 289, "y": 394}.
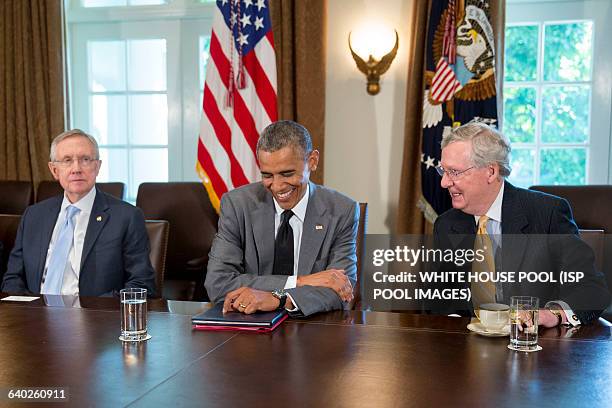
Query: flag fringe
{"x": 428, "y": 212}
{"x": 214, "y": 199}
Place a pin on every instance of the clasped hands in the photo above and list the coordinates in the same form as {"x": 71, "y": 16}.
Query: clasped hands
{"x": 248, "y": 300}
{"x": 546, "y": 319}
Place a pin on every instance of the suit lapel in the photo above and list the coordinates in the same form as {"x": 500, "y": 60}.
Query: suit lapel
{"x": 97, "y": 220}
{"x": 47, "y": 224}
{"x": 263, "y": 231}
{"x": 463, "y": 231}
{"x": 514, "y": 225}
{"x": 316, "y": 224}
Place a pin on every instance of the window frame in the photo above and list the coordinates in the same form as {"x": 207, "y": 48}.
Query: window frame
{"x": 541, "y": 13}
{"x": 181, "y": 23}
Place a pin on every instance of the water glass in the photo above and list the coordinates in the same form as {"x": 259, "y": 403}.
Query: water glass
{"x": 524, "y": 311}
{"x": 133, "y": 314}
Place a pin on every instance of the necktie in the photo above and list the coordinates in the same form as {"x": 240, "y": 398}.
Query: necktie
{"x": 283, "y": 246}
{"x": 483, "y": 292}
{"x": 59, "y": 256}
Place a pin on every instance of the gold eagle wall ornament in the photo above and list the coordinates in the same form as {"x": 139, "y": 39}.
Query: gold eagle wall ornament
{"x": 373, "y": 68}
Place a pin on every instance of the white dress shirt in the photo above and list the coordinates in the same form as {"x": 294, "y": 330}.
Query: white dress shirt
{"x": 297, "y": 224}
{"x": 70, "y": 284}
{"x": 495, "y": 217}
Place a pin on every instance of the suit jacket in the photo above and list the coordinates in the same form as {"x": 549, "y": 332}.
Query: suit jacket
{"x": 115, "y": 250}
{"x": 538, "y": 234}
{"x": 242, "y": 252}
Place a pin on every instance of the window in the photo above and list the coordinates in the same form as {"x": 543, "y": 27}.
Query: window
{"x": 204, "y": 47}
{"x": 555, "y": 113}
{"x": 115, "y": 3}
{"x": 136, "y": 74}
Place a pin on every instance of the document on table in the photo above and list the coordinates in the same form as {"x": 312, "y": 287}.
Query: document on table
{"x": 21, "y": 298}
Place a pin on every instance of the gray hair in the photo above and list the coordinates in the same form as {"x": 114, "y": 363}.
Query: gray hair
{"x": 282, "y": 134}
{"x": 488, "y": 145}
{"x": 73, "y": 133}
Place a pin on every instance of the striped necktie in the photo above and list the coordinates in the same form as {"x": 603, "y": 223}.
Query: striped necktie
{"x": 59, "y": 255}
{"x": 483, "y": 292}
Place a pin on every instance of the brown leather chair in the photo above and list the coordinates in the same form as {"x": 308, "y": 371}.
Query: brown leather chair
{"x": 361, "y": 232}
{"x": 15, "y": 196}
{"x": 47, "y": 189}
{"x": 193, "y": 225}
{"x": 9, "y": 223}
{"x": 591, "y": 209}
{"x": 157, "y": 230}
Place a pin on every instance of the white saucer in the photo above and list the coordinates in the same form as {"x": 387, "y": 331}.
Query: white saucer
{"x": 537, "y": 348}
{"x": 478, "y": 328}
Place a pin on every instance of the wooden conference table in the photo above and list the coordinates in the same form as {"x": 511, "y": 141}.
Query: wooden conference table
{"x": 339, "y": 359}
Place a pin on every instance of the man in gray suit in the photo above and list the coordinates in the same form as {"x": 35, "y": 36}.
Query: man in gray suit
{"x": 284, "y": 242}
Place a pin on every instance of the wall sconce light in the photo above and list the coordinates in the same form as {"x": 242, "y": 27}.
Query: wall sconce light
{"x": 372, "y": 43}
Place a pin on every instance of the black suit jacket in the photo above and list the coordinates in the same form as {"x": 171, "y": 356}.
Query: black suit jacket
{"x": 538, "y": 234}
{"x": 115, "y": 250}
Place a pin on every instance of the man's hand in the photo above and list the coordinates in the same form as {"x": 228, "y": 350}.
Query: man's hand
{"x": 548, "y": 318}
{"x": 334, "y": 279}
{"x": 248, "y": 300}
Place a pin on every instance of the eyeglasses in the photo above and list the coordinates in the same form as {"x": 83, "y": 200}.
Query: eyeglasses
{"x": 84, "y": 161}
{"x": 452, "y": 174}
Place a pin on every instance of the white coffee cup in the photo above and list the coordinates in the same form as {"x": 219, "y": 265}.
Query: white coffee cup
{"x": 494, "y": 316}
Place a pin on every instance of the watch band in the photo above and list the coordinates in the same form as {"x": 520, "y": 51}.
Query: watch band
{"x": 281, "y": 295}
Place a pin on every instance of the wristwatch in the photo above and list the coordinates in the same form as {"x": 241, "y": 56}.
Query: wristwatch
{"x": 281, "y": 295}
{"x": 557, "y": 312}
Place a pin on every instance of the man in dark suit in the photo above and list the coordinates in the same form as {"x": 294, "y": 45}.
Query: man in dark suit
{"x": 83, "y": 242}
{"x": 284, "y": 242}
{"x": 526, "y": 230}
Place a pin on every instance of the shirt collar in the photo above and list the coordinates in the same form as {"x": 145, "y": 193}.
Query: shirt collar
{"x": 495, "y": 211}
{"x": 85, "y": 204}
{"x": 300, "y": 208}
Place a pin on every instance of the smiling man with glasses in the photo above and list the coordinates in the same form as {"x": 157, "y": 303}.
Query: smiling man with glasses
{"x": 83, "y": 242}
{"x": 520, "y": 230}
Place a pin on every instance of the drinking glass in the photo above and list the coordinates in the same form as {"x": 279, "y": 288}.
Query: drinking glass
{"x": 133, "y": 314}
{"x": 524, "y": 311}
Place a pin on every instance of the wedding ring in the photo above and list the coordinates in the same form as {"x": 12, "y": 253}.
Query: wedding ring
{"x": 242, "y": 306}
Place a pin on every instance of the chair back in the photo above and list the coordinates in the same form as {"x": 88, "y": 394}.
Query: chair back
{"x": 590, "y": 204}
{"x": 157, "y": 230}
{"x": 193, "y": 225}
{"x": 591, "y": 210}
{"x": 47, "y": 189}
{"x": 9, "y": 224}
{"x": 15, "y": 196}
{"x": 360, "y": 247}
{"x": 595, "y": 239}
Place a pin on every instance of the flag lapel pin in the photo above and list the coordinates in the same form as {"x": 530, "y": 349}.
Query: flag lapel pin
{"x": 318, "y": 227}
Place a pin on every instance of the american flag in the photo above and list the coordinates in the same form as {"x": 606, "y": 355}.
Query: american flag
{"x": 460, "y": 88}
{"x": 444, "y": 83}
{"x": 239, "y": 95}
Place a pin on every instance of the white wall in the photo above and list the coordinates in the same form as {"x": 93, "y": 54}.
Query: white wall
{"x": 364, "y": 134}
